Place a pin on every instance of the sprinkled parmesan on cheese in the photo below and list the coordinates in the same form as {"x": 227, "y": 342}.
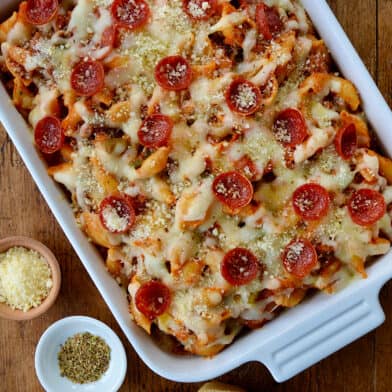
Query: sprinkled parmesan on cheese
{"x": 113, "y": 220}
{"x": 304, "y": 203}
{"x": 174, "y": 73}
{"x": 25, "y": 278}
{"x": 171, "y": 15}
{"x": 281, "y": 131}
{"x": 103, "y": 3}
{"x": 130, "y": 12}
{"x": 245, "y": 97}
{"x": 222, "y": 189}
{"x": 295, "y": 251}
{"x": 198, "y": 10}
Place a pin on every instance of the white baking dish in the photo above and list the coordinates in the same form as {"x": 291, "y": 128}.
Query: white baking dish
{"x": 299, "y": 337}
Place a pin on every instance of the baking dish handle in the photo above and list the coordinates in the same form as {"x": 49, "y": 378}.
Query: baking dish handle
{"x": 299, "y": 347}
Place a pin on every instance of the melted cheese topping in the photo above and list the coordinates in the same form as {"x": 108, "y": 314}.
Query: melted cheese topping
{"x": 182, "y": 231}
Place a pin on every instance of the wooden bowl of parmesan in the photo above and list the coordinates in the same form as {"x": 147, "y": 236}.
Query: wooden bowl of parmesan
{"x": 30, "y": 278}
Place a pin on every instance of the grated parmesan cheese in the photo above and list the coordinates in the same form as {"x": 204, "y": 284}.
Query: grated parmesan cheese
{"x": 245, "y": 97}
{"x": 294, "y": 253}
{"x": 282, "y": 133}
{"x": 198, "y": 10}
{"x": 113, "y": 220}
{"x": 25, "y": 278}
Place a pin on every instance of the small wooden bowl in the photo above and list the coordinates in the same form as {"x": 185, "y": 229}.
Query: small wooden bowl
{"x": 29, "y": 243}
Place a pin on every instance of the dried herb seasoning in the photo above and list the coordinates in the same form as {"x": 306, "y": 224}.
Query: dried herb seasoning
{"x": 84, "y": 358}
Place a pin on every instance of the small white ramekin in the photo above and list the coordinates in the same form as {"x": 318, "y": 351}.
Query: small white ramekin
{"x": 46, "y": 362}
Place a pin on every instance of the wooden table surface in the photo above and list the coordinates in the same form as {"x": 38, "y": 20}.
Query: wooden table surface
{"x": 362, "y": 366}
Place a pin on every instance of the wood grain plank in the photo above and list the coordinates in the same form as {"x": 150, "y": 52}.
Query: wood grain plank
{"x": 359, "y": 20}
{"x": 362, "y": 366}
{"x": 384, "y": 79}
{"x": 383, "y": 348}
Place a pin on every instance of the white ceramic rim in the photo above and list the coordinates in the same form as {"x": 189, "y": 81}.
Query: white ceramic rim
{"x": 83, "y": 324}
{"x": 299, "y": 337}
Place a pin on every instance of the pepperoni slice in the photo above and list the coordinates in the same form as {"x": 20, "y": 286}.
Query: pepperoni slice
{"x": 233, "y": 189}
{"x": 108, "y": 37}
{"x": 49, "y": 135}
{"x": 199, "y": 9}
{"x": 299, "y": 258}
{"x": 155, "y": 131}
{"x": 130, "y": 14}
{"x": 40, "y": 12}
{"x": 311, "y": 201}
{"x": 290, "y": 127}
{"x": 152, "y": 299}
{"x": 107, "y": 43}
{"x": 239, "y": 266}
{"x": 243, "y": 97}
{"x": 254, "y": 324}
{"x": 268, "y": 21}
{"x": 117, "y": 214}
{"x": 366, "y": 207}
{"x": 87, "y": 78}
{"x": 173, "y": 73}
{"x": 346, "y": 141}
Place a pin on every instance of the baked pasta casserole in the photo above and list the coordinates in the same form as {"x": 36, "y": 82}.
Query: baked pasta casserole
{"x": 211, "y": 150}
